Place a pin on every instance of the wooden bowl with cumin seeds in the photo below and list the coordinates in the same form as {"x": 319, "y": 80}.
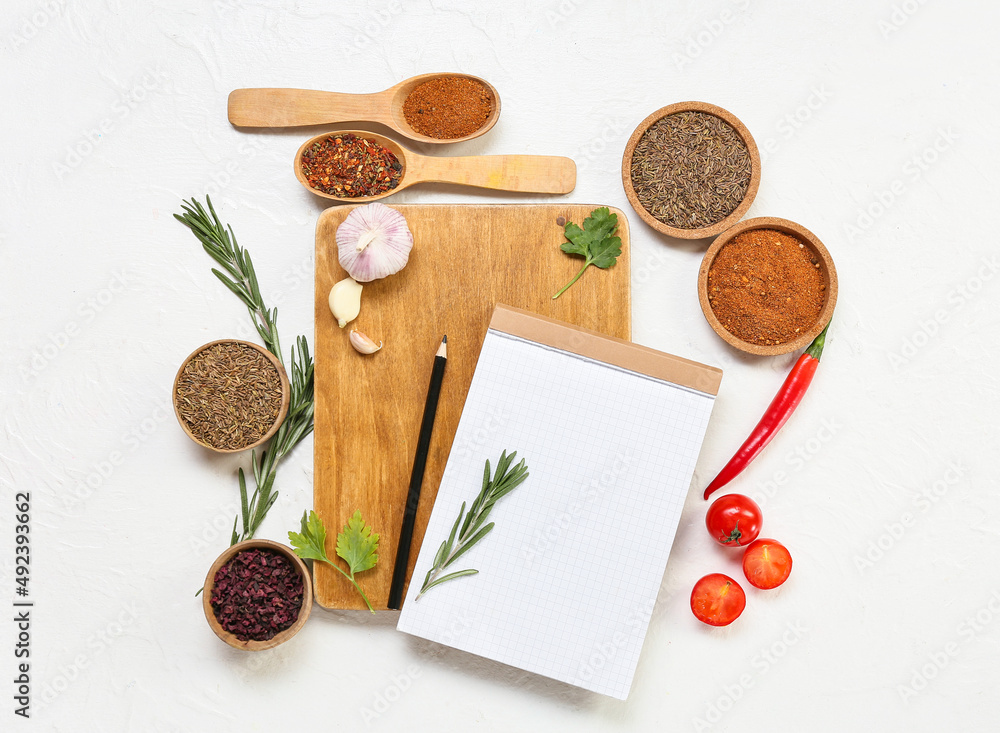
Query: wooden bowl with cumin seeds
{"x": 280, "y": 637}
{"x": 676, "y": 172}
{"x": 816, "y": 255}
{"x": 231, "y": 395}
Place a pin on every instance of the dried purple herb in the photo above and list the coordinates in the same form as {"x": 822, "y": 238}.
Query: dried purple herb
{"x": 257, "y": 594}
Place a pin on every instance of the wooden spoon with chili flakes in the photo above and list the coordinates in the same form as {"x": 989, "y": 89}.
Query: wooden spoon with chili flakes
{"x": 522, "y": 173}
{"x": 301, "y": 107}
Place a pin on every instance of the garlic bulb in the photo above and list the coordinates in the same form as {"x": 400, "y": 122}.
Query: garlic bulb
{"x": 345, "y": 301}
{"x": 372, "y": 242}
{"x": 362, "y": 344}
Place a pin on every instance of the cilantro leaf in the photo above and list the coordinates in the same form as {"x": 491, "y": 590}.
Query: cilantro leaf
{"x": 357, "y": 544}
{"x": 310, "y": 544}
{"x": 594, "y": 242}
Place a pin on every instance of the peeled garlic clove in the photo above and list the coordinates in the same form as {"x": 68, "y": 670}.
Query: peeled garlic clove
{"x": 345, "y": 300}
{"x": 373, "y": 241}
{"x": 362, "y": 344}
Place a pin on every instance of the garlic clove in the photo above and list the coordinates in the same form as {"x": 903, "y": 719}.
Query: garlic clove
{"x": 362, "y": 344}
{"x": 373, "y": 241}
{"x": 345, "y": 301}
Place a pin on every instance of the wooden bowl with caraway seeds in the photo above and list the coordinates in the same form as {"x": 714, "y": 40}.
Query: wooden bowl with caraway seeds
{"x": 767, "y": 286}
{"x": 691, "y": 170}
{"x": 257, "y": 594}
{"x": 231, "y": 395}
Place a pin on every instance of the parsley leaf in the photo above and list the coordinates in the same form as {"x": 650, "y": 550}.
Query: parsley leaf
{"x": 356, "y": 544}
{"x": 594, "y": 242}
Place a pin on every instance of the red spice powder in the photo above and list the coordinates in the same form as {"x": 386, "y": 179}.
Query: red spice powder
{"x": 448, "y": 107}
{"x": 766, "y": 287}
{"x": 257, "y": 594}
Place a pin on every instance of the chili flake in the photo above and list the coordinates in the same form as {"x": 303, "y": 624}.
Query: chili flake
{"x": 349, "y": 166}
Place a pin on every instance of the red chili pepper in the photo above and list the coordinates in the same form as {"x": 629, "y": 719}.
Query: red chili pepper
{"x": 777, "y": 413}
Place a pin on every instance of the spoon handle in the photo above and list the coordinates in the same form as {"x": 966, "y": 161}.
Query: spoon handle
{"x": 526, "y": 173}
{"x": 296, "y": 107}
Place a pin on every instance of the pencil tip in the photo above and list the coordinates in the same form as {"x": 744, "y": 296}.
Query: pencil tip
{"x": 445, "y": 339}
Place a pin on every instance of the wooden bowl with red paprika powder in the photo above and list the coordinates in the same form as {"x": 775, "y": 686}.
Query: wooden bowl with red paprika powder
{"x": 269, "y": 594}
{"x": 767, "y": 286}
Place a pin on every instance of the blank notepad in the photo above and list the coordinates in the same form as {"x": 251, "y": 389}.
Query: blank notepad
{"x": 568, "y": 577}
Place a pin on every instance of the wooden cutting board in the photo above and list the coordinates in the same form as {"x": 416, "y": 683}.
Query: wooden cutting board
{"x": 466, "y": 258}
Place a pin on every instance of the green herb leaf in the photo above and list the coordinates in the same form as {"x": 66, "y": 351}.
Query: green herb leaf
{"x": 310, "y": 543}
{"x": 594, "y": 242}
{"x": 505, "y": 480}
{"x": 357, "y": 544}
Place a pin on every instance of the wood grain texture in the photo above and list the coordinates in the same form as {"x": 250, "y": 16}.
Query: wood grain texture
{"x": 273, "y": 107}
{"x": 465, "y": 260}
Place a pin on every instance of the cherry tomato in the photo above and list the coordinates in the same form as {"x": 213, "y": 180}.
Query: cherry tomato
{"x": 767, "y": 564}
{"x": 717, "y": 600}
{"x": 734, "y": 520}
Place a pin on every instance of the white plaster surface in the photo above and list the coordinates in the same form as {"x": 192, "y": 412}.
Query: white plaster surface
{"x": 881, "y": 485}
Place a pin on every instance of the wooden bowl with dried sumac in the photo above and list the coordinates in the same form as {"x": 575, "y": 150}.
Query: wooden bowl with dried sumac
{"x": 257, "y": 594}
{"x": 231, "y": 395}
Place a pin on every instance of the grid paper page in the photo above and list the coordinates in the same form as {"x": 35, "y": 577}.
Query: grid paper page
{"x": 569, "y": 575}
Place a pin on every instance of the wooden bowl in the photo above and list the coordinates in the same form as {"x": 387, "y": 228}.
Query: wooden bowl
{"x": 286, "y": 395}
{"x": 811, "y": 241}
{"x": 280, "y": 637}
{"x": 721, "y": 225}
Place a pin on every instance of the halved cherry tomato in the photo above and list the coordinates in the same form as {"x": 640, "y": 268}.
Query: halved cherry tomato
{"x": 717, "y": 600}
{"x": 767, "y": 564}
{"x": 734, "y": 520}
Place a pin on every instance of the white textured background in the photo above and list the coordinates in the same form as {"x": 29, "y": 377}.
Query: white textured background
{"x": 113, "y": 111}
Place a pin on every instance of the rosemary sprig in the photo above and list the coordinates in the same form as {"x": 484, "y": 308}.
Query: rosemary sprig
{"x": 220, "y": 243}
{"x": 505, "y": 480}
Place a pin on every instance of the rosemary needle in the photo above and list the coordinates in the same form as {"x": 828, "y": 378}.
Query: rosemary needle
{"x": 239, "y": 276}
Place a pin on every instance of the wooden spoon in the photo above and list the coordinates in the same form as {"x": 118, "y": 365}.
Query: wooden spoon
{"x": 298, "y": 107}
{"x": 525, "y": 173}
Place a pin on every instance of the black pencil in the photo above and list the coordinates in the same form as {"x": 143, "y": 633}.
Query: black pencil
{"x": 417, "y": 477}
